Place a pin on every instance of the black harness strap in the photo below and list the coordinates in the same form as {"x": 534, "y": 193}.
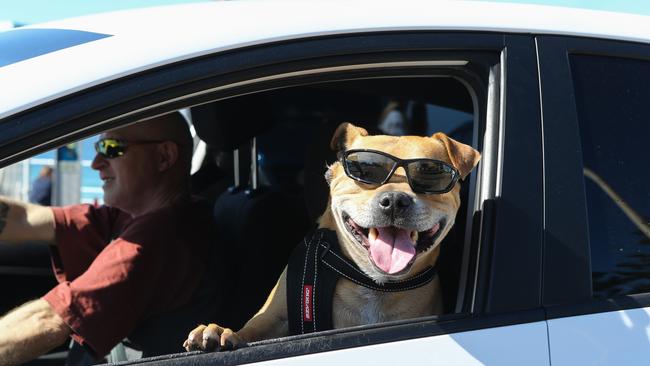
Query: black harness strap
{"x": 312, "y": 273}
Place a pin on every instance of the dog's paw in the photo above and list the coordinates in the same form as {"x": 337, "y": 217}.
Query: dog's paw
{"x": 212, "y": 337}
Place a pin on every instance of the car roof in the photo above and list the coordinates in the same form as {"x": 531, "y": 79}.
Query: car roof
{"x": 73, "y": 54}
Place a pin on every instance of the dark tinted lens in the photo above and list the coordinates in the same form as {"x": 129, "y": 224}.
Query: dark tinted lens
{"x": 368, "y": 167}
{"x": 430, "y": 176}
{"x": 109, "y": 148}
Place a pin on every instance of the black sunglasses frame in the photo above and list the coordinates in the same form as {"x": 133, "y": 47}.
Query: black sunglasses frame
{"x": 399, "y": 163}
{"x": 123, "y": 145}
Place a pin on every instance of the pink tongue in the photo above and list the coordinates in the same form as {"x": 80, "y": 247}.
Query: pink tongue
{"x": 392, "y": 250}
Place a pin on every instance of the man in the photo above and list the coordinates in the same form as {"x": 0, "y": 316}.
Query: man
{"x": 121, "y": 267}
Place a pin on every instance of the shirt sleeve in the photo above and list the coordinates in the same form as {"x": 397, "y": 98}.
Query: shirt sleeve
{"x": 88, "y": 266}
{"x": 154, "y": 265}
{"x": 81, "y": 233}
{"x": 104, "y": 304}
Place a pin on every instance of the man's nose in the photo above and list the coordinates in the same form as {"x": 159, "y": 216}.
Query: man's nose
{"x": 98, "y": 162}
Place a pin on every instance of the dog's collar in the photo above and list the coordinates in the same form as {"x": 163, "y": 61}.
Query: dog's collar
{"x": 331, "y": 257}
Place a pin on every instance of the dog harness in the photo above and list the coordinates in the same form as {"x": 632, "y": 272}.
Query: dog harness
{"x": 315, "y": 267}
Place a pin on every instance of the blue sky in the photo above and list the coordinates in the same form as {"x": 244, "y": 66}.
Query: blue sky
{"x": 35, "y": 11}
{"x": 627, "y": 6}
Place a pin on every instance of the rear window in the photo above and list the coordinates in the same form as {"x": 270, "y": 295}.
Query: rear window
{"x": 613, "y": 105}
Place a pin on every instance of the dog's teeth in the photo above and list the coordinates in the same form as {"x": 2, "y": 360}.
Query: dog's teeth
{"x": 372, "y": 234}
{"x": 414, "y": 236}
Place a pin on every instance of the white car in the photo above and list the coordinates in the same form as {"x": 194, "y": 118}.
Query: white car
{"x": 549, "y": 263}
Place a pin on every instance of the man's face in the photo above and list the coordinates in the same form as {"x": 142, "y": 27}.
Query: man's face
{"x": 130, "y": 179}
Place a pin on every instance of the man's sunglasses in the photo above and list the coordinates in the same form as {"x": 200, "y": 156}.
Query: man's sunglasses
{"x": 113, "y": 148}
{"x": 376, "y": 167}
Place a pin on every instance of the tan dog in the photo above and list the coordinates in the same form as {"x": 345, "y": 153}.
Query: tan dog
{"x": 388, "y": 230}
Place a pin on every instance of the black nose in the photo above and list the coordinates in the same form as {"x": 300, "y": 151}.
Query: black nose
{"x": 394, "y": 201}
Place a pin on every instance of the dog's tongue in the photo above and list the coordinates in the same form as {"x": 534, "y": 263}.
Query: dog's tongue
{"x": 392, "y": 249}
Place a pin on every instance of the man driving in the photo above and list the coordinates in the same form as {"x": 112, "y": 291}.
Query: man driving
{"x": 131, "y": 268}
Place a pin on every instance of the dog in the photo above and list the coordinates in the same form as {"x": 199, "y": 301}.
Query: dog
{"x": 392, "y": 201}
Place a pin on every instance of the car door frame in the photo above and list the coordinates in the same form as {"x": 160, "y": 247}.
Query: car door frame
{"x": 567, "y": 271}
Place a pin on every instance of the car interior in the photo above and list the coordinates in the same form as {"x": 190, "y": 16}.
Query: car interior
{"x": 264, "y": 206}
{"x": 262, "y": 167}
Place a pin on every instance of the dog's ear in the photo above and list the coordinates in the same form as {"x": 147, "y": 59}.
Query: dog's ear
{"x": 345, "y": 134}
{"x": 463, "y": 157}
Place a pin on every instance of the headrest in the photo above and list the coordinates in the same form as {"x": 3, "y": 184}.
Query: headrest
{"x": 228, "y": 124}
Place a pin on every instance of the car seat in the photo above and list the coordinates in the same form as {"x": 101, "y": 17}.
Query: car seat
{"x": 258, "y": 225}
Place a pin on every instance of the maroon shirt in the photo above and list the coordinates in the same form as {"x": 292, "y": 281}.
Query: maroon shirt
{"x": 115, "y": 272}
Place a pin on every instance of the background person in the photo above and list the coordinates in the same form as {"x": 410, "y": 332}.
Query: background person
{"x": 41, "y": 192}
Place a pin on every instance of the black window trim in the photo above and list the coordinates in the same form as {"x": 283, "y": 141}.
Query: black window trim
{"x": 568, "y": 290}
{"x": 513, "y": 217}
{"x": 504, "y": 287}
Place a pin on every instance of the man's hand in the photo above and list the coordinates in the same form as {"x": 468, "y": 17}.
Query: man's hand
{"x": 21, "y": 221}
{"x": 29, "y": 331}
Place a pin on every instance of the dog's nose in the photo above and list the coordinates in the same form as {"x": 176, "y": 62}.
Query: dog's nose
{"x": 394, "y": 201}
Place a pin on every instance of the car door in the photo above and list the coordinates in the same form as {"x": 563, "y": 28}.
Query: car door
{"x": 498, "y": 318}
{"x": 502, "y": 310}
{"x": 597, "y": 237}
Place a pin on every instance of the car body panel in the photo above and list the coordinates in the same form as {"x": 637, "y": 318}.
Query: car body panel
{"x": 175, "y": 33}
{"x": 611, "y": 338}
{"x": 481, "y": 347}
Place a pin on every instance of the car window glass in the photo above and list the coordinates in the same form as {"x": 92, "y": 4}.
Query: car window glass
{"x": 72, "y": 178}
{"x": 613, "y": 105}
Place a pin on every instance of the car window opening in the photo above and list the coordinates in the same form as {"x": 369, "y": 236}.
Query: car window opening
{"x": 261, "y": 162}
{"x": 281, "y": 144}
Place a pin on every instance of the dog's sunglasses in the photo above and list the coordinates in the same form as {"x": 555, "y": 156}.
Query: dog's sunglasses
{"x": 376, "y": 167}
{"x": 113, "y": 148}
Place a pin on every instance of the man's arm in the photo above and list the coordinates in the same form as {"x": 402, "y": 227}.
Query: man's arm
{"x": 21, "y": 221}
{"x": 29, "y": 331}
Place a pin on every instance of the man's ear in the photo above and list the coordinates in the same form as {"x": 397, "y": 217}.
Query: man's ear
{"x": 167, "y": 155}
{"x": 463, "y": 157}
{"x": 344, "y": 135}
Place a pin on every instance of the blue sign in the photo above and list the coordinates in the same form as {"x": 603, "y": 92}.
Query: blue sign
{"x": 67, "y": 153}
